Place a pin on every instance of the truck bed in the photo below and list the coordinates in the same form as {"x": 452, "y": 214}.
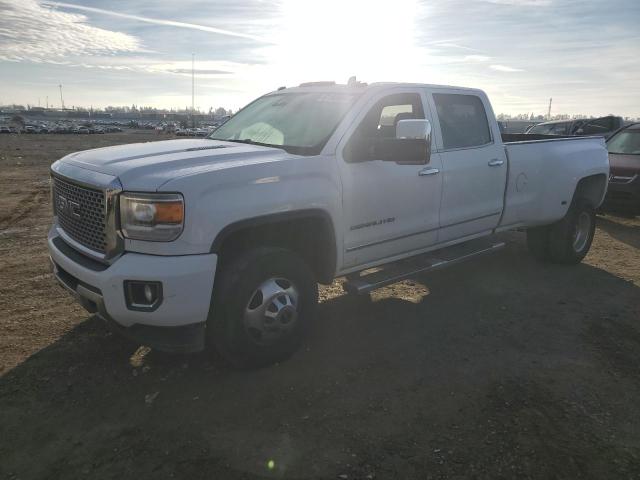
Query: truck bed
{"x": 530, "y": 137}
{"x": 543, "y": 174}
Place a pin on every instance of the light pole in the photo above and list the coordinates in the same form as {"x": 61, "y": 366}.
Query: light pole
{"x": 193, "y": 89}
{"x": 61, "y": 99}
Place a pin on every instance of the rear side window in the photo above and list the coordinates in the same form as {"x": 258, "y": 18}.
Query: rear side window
{"x": 561, "y": 129}
{"x": 599, "y": 125}
{"x": 463, "y": 121}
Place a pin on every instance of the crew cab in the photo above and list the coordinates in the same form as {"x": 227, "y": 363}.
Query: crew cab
{"x": 222, "y": 241}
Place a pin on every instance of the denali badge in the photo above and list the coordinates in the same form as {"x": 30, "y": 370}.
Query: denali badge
{"x": 373, "y": 223}
{"x": 68, "y": 207}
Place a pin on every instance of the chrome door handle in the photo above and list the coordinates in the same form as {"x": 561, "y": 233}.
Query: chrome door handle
{"x": 428, "y": 171}
{"x": 495, "y": 162}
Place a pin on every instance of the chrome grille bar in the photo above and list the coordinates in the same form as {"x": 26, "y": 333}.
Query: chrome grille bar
{"x": 87, "y": 217}
{"x": 81, "y": 213}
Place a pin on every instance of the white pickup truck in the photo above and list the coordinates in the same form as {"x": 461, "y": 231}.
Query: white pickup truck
{"x": 222, "y": 241}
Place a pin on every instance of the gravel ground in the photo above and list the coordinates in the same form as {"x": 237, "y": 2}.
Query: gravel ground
{"x": 498, "y": 368}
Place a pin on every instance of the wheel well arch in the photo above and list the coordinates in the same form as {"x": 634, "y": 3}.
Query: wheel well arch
{"x": 592, "y": 188}
{"x": 309, "y": 233}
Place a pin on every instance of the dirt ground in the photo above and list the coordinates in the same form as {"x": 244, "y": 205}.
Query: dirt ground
{"x": 498, "y": 368}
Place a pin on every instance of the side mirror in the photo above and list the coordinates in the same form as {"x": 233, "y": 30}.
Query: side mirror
{"x": 412, "y": 145}
{"x": 414, "y": 129}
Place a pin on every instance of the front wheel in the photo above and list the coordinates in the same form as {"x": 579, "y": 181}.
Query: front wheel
{"x": 262, "y": 304}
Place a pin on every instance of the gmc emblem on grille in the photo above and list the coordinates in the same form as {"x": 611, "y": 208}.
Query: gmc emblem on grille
{"x": 68, "y": 207}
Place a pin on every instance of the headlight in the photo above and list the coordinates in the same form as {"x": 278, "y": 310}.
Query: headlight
{"x": 157, "y": 217}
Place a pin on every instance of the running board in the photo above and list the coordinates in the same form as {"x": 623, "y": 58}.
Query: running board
{"x": 364, "y": 282}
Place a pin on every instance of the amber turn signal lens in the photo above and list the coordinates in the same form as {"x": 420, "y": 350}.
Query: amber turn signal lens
{"x": 169, "y": 212}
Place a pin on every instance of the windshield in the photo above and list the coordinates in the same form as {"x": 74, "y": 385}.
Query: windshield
{"x": 300, "y": 123}
{"x": 626, "y": 142}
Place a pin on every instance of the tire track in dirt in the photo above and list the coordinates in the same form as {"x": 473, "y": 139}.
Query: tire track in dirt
{"x": 35, "y": 198}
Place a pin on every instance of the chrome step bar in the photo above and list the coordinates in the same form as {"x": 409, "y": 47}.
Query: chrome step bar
{"x": 362, "y": 282}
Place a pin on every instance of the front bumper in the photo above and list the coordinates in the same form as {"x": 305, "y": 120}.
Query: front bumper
{"x": 623, "y": 196}
{"x": 176, "y": 325}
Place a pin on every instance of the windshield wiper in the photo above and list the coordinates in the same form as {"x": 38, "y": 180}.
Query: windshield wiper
{"x": 287, "y": 148}
{"x": 248, "y": 141}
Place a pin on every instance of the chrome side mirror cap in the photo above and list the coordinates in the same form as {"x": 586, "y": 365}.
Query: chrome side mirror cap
{"x": 414, "y": 129}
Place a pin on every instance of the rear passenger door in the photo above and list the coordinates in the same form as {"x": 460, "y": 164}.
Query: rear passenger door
{"x": 474, "y": 165}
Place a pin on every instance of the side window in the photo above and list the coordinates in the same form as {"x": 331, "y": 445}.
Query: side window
{"x": 560, "y": 129}
{"x": 463, "y": 121}
{"x": 599, "y": 125}
{"x": 380, "y": 123}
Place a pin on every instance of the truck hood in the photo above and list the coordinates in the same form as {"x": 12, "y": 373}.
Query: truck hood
{"x": 147, "y": 166}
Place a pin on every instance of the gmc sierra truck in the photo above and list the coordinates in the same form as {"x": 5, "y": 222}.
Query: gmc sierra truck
{"x": 222, "y": 241}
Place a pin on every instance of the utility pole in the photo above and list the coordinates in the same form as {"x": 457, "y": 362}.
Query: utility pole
{"x": 193, "y": 88}
{"x": 549, "y": 112}
{"x": 47, "y": 102}
{"x": 61, "y": 99}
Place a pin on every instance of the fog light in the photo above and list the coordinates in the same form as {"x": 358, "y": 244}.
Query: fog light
{"x": 149, "y": 293}
{"x": 141, "y": 295}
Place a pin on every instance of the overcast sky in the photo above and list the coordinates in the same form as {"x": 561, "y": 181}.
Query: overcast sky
{"x": 583, "y": 53}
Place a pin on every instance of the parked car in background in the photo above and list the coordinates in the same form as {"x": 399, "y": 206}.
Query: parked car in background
{"x": 604, "y": 126}
{"x": 4, "y": 129}
{"x": 623, "y": 194}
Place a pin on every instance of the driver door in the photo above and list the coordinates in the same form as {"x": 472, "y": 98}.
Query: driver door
{"x": 389, "y": 208}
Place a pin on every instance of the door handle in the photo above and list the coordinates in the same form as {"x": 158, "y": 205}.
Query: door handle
{"x": 495, "y": 162}
{"x": 428, "y": 171}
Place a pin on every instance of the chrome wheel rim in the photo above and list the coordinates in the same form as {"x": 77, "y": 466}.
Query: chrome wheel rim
{"x": 581, "y": 232}
{"x": 272, "y": 311}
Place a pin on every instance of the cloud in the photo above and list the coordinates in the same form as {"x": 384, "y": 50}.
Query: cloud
{"x": 451, "y": 44}
{"x": 522, "y": 3}
{"x": 155, "y": 21}
{"x": 476, "y": 58}
{"x": 505, "y": 68}
{"x": 199, "y": 71}
{"x": 29, "y": 32}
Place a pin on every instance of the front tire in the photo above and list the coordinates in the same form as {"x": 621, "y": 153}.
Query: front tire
{"x": 262, "y": 304}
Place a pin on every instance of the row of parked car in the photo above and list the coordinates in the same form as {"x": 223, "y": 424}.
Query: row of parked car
{"x": 193, "y": 132}
{"x": 34, "y": 129}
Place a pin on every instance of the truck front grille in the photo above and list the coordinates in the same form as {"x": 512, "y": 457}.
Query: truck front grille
{"x": 81, "y": 213}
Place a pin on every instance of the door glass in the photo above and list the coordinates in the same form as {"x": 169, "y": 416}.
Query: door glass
{"x": 380, "y": 122}
{"x": 463, "y": 121}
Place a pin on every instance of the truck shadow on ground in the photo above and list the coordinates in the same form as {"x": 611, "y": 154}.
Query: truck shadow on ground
{"x": 629, "y": 234}
{"x": 498, "y": 367}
